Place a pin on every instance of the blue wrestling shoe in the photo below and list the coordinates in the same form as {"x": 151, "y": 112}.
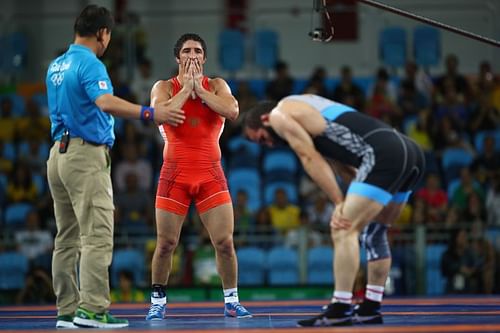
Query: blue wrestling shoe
{"x": 236, "y": 310}
{"x": 156, "y": 312}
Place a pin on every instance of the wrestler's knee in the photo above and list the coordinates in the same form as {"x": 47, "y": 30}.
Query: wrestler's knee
{"x": 224, "y": 246}
{"x": 165, "y": 246}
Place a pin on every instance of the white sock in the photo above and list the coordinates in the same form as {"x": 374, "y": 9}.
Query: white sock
{"x": 342, "y": 297}
{"x": 158, "y": 300}
{"x": 231, "y": 295}
{"x": 374, "y": 293}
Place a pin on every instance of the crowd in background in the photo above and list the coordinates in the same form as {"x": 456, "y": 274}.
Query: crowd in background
{"x": 441, "y": 112}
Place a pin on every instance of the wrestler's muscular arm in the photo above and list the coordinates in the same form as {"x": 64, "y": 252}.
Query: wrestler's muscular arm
{"x": 301, "y": 142}
{"x": 219, "y": 99}
{"x": 161, "y": 93}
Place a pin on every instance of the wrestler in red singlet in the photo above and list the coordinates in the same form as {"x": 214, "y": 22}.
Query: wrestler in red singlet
{"x": 192, "y": 159}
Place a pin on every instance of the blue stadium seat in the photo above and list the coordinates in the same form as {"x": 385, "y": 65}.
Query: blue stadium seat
{"x": 453, "y": 160}
{"x": 258, "y": 87}
{"x": 289, "y": 187}
{"x": 244, "y": 153}
{"x": 435, "y": 282}
{"x": 493, "y": 235}
{"x": 426, "y": 46}
{"x": 13, "y": 269}
{"x": 320, "y": 265}
{"x": 14, "y": 49}
{"x": 15, "y": 214}
{"x": 481, "y": 135}
{"x": 266, "y": 49}
{"x": 248, "y": 180}
{"x": 251, "y": 266}
{"x": 9, "y": 151}
{"x": 231, "y": 50}
{"x": 128, "y": 260}
{"x": 280, "y": 165}
{"x": 283, "y": 267}
{"x": 392, "y": 46}
{"x": 41, "y": 100}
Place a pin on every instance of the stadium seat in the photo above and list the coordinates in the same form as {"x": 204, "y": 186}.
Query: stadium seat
{"x": 320, "y": 265}
{"x": 426, "y": 46}
{"x": 392, "y": 46}
{"x": 435, "y": 282}
{"x": 248, "y": 180}
{"x": 15, "y": 214}
{"x": 280, "y": 165}
{"x": 481, "y": 135}
{"x": 13, "y": 269}
{"x": 129, "y": 260}
{"x": 244, "y": 153}
{"x": 453, "y": 160}
{"x": 251, "y": 265}
{"x": 266, "y": 49}
{"x": 258, "y": 87}
{"x": 231, "y": 50}
{"x": 283, "y": 266}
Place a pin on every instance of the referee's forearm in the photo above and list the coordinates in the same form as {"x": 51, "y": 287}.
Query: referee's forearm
{"x": 118, "y": 107}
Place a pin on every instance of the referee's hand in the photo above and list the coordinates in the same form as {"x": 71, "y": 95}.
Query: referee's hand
{"x": 165, "y": 114}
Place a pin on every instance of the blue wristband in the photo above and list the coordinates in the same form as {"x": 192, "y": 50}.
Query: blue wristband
{"x": 147, "y": 113}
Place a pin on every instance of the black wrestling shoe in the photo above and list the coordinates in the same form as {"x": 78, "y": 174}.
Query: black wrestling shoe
{"x": 336, "y": 314}
{"x": 367, "y": 312}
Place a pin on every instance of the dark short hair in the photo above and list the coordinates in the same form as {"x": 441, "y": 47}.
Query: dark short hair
{"x": 184, "y": 38}
{"x": 252, "y": 116}
{"x": 92, "y": 19}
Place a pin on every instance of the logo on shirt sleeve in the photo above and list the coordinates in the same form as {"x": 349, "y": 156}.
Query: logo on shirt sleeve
{"x": 103, "y": 85}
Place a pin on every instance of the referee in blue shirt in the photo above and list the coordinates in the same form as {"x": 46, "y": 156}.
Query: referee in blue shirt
{"x": 82, "y": 106}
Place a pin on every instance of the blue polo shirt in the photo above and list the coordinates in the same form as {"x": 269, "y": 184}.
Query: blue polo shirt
{"x": 74, "y": 81}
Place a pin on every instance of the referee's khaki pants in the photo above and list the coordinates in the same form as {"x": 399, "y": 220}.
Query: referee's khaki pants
{"x": 80, "y": 184}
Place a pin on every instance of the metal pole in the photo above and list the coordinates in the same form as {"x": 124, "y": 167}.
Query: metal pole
{"x": 431, "y": 22}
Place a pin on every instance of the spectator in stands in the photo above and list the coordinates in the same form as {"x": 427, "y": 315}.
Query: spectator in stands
{"x": 127, "y": 292}
{"x": 421, "y": 80}
{"x": 320, "y": 212}
{"x": 7, "y": 120}
{"x": 282, "y": 84}
{"x": 34, "y": 125}
{"x": 468, "y": 185}
{"x": 452, "y": 105}
{"x": 487, "y": 162}
{"x": 410, "y": 101}
{"x": 347, "y": 91}
{"x": 37, "y": 288}
{"x": 485, "y": 81}
{"x": 285, "y": 216}
{"x": 434, "y": 197}
{"x": 452, "y": 77}
{"x": 133, "y": 208}
{"x": 265, "y": 234}
{"x": 458, "y": 264}
{"x": 143, "y": 81}
{"x": 475, "y": 210}
{"x": 493, "y": 200}
{"x": 421, "y": 130}
{"x": 33, "y": 241}
{"x": 34, "y": 157}
{"x": 243, "y": 218}
{"x": 485, "y": 259}
{"x": 204, "y": 265}
{"x": 20, "y": 187}
{"x": 316, "y": 84}
{"x": 312, "y": 236}
{"x": 133, "y": 163}
{"x": 485, "y": 116}
{"x": 381, "y": 102}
